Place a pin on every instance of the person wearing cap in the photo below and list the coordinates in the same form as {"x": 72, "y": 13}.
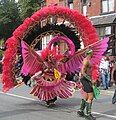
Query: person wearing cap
{"x": 85, "y": 79}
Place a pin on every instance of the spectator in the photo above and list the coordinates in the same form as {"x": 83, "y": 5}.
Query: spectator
{"x": 114, "y": 97}
{"x": 113, "y": 73}
{"x": 105, "y": 72}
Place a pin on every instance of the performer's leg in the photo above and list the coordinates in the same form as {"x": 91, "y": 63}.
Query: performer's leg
{"x": 85, "y": 84}
{"x": 107, "y": 80}
{"x": 114, "y": 76}
{"x": 51, "y": 102}
{"x": 104, "y": 81}
{"x": 80, "y": 112}
{"x": 89, "y": 106}
{"x": 114, "y": 97}
{"x": 82, "y": 107}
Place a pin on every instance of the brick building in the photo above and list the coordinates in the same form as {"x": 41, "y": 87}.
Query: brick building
{"x": 102, "y": 14}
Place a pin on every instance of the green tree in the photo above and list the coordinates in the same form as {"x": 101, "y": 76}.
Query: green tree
{"x": 28, "y": 7}
{"x": 9, "y": 17}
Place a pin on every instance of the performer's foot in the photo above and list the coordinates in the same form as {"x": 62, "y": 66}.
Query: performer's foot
{"x": 50, "y": 104}
{"x": 90, "y": 117}
{"x": 18, "y": 84}
{"x": 47, "y": 103}
{"x": 80, "y": 113}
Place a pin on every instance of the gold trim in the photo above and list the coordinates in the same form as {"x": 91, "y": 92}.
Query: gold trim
{"x": 38, "y": 38}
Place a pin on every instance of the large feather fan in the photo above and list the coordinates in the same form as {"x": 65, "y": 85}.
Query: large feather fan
{"x": 74, "y": 64}
{"x": 46, "y": 90}
{"x": 32, "y": 62}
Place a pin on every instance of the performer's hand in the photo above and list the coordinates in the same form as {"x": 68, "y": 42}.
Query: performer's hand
{"x": 79, "y": 85}
{"x": 80, "y": 75}
{"x": 93, "y": 82}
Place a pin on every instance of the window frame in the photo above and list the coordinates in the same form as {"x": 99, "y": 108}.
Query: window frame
{"x": 71, "y": 4}
{"x": 102, "y": 31}
{"x": 108, "y": 7}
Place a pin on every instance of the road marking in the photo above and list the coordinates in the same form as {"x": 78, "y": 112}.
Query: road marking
{"x": 109, "y": 116}
{"x": 27, "y": 98}
{"x": 18, "y": 96}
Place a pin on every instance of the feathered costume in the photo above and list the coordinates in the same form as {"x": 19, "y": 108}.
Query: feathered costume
{"x": 50, "y": 81}
{"x": 49, "y": 69}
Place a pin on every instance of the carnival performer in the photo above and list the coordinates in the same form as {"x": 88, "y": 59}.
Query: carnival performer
{"x": 86, "y": 80}
{"x": 52, "y": 82}
{"x": 49, "y": 81}
{"x": 46, "y": 74}
{"x": 39, "y": 75}
{"x": 113, "y": 76}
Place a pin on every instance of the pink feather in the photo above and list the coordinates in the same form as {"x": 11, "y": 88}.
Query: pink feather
{"x": 46, "y": 90}
{"x": 75, "y": 62}
{"x": 31, "y": 60}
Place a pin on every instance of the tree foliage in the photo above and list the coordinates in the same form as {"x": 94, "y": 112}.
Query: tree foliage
{"x": 9, "y": 17}
{"x": 28, "y": 7}
{"x": 12, "y": 13}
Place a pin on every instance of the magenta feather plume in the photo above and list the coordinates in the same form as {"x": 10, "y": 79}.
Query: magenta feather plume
{"x": 46, "y": 90}
{"x": 74, "y": 64}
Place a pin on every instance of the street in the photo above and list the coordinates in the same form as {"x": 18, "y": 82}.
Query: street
{"x": 18, "y": 104}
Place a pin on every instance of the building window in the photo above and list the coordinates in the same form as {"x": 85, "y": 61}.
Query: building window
{"x": 45, "y": 41}
{"x": 85, "y": 10}
{"x": 104, "y": 31}
{"x": 108, "y": 30}
{"x": 85, "y": 5}
{"x": 62, "y": 3}
{"x": 86, "y": 2}
{"x": 107, "y": 6}
{"x": 70, "y": 4}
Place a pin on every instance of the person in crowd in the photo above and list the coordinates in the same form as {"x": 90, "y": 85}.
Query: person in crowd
{"x": 86, "y": 81}
{"x": 113, "y": 73}
{"x": 113, "y": 78}
{"x": 114, "y": 97}
{"x": 105, "y": 72}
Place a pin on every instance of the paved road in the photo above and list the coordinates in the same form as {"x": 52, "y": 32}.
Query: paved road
{"x": 18, "y": 104}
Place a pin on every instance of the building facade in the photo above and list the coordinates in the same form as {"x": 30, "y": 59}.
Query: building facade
{"x": 102, "y": 14}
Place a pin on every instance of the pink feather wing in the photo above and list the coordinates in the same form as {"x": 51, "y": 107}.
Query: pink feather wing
{"x": 98, "y": 49}
{"x": 31, "y": 60}
{"x": 74, "y": 64}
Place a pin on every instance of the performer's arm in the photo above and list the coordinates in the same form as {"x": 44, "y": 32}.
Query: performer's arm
{"x": 84, "y": 67}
